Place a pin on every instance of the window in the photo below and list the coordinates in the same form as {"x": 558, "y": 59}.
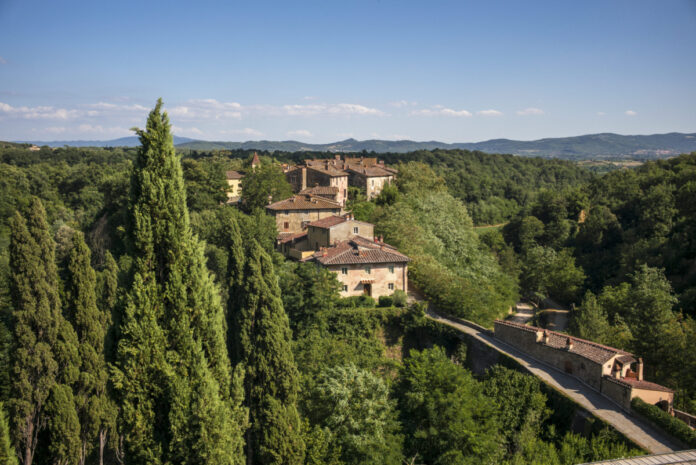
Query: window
{"x": 373, "y": 183}
{"x": 344, "y": 270}
{"x": 286, "y": 225}
{"x": 345, "y": 288}
{"x": 368, "y": 270}
{"x": 355, "y": 230}
{"x": 391, "y": 286}
{"x": 391, "y": 268}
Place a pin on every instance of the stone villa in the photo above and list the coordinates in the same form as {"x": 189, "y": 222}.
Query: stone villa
{"x": 234, "y": 183}
{"x": 615, "y": 373}
{"x": 294, "y": 214}
{"x": 363, "y": 264}
{"x": 368, "y": 173}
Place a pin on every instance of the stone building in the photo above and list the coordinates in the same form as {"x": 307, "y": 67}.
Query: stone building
{"x": 615, "y": 373}
{"x": 328, "y": 192}
{"x": 365, "y": 266}
{"x": 368, "y": 173}
{"x": 292, "y": 215}
{"x": 234, "y": 183}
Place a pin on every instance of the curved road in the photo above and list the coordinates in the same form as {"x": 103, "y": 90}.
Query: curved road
{"x": 633, "y": 428}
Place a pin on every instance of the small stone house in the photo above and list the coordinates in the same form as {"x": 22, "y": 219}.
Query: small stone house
{"x": 234, "y": 183}
{"x": 292, "y": 215}
{"x": 614, "y": 372}
{"x": 365, "y": 266}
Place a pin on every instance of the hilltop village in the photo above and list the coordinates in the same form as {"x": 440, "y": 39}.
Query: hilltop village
{"x": 313, "y": 225}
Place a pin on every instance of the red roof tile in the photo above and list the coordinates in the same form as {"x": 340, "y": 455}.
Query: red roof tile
{"x": 320, "y": 190}
{"x": 642, "y": 384}
{"x": 305, "y": 202}
{"x": 359, "y": 251}
{"x": 590, "y": 350}
{"x": 233, "y": 175}
{"x": 328, "y": 222}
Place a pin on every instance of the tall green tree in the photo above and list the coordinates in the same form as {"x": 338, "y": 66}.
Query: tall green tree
{"x": 266, "y": 182}
{"x": 263, "y": 347}
{"x": 45, "y": 346}
{"x": 95, "y": 410}
{"x": 173, "y": 373}
{"x": 64, "y": 440}
{"x": 8, "y": 456}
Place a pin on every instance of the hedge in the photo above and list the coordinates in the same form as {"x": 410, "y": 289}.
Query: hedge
{"x": 665, "y": 421}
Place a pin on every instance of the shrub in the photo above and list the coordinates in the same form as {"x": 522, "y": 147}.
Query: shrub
{"x": 357, "y": 301}
{"x": 399, "y": 297}
{"x": 385, "y": 301}
{"x": 665, "y": 421}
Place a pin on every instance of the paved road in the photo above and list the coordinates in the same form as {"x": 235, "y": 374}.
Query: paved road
{"x": 638, "y": 431}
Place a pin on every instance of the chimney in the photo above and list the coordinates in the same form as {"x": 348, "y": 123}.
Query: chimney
{"x": 546, "y": 336}
{"x": 381, "y": 238}
{"x": 539, "y": 335}
{"x": 569, "y": 344}
{"x": 376, "y": 239}
{"x": 640, "y": 368}
{"x": 270, "y": 199}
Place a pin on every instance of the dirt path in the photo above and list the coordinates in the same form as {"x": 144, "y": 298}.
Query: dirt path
{"x": 524, "y": 313}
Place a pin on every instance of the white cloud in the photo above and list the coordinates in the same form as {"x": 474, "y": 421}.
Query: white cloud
{"x": 186, "y": 132}
{"x": 630, "y": 113}
{"x": 334, "y": 109}
{"x": 207, "y": 109}
{"x": 530, "y": 111}
{"x": 489, "y": 113}
{"x": 402, "y": 103}
{"x": 600, "y": 113}
{"x": 299, "y": 133}
{"x": 3, "y": 61}
{"x": 40, "y": 112}
{"x": 309, "y": 97}
{"x": 242, "y": 132}
{"x": 439, "y": 110}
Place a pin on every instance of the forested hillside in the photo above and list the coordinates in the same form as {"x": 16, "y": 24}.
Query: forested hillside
{"x": 143, "y": 321}
{"x": 622, "y": 248}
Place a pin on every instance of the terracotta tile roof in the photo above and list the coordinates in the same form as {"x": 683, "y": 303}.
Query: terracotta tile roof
{"x": 597, "y": 353}
{"x": 305, "y": 202}
{"x": 288, "y": 237}
{"x": 329, "y": 221}
{"x": 330, "y": 171}
{"x": 634, "y": 383}
{"x": 370, "y": 171}
{"x": 359, "y": 251}
{"x": 233, "y": 175}
{"x": 320, "y": 190}
{"x": 626, "y": 359}
{"x": 255, "y": 161}
{"x": 647, "y": 385}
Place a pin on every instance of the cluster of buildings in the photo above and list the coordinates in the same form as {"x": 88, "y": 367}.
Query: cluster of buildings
{"x": 332, "y": 176}
{"x": 615, "y": 373}
{"x": 314, "y": 227}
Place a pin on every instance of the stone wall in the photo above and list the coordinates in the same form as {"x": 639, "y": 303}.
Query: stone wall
{"x": 616, "y": 391}
{"x": 293, "y": 221}
{"x": 528, "y": 341}
{"x": 379, "y": 274}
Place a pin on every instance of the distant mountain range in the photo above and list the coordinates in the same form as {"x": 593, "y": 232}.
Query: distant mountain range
{"x": 131, "y": 141}
{"x": 591, "y": 146}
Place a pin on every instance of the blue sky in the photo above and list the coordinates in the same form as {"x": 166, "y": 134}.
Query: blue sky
{"x": 327, "y": 70}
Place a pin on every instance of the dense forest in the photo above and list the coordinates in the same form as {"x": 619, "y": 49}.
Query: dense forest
{"x": 144, "y": 321}
{"x": 622, "y": 248}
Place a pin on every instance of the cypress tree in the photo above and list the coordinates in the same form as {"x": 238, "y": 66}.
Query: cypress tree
{"x": 94, "y": 408}
{"x": 173, "y": 371}
{"x": 271, "y": 381}
{"x": 8, "y": 456}
{"x": 63, "y": 426}
{"x": 45, "y": 349}
{"x": 235, "y": 283}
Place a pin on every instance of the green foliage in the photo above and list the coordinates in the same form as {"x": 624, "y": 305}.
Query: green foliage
{"x": 321, "y": 446}
{"x": 590, "y": 320}
{"x": 520, "y": 404}
{"x": 263, "y": 347}
{"x": 63, "y": 426}
{"x": 385, "y": 301}
{"x": 354, "y": 405}
{"x": 45, "y": 348}
{"x": 444, "y": 411}
{"x": 550, "y": 273}
{"x": 266, "y": 182}
{"x": 357, "y": 301}
{"x": 95, "y": 410}
{"x": 665, "y": 421}
{"x": 449, "y": 264}
{"x": 8, "y": 456}
{"x": 205, "y": 184}
{"x": 172, "y": 372}
{"x": 399, "y": 298}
